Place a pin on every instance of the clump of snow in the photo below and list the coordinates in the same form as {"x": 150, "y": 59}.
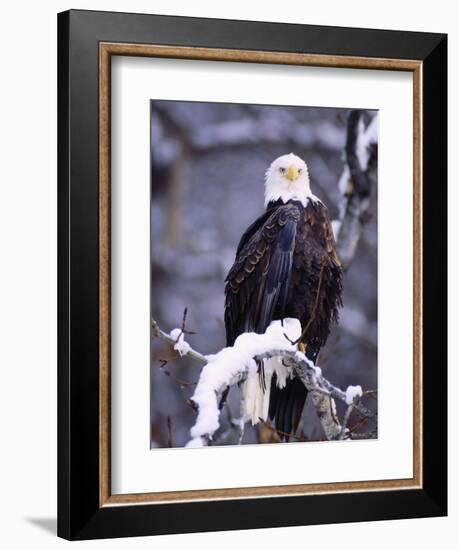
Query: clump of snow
{"x": 182, "y": 347}
{"x": 175, "y": 333}
{"x": 318, "y": 371}
{"x": 195, "y": 443}
{"x": 300, "y": 356}
{"x": 352, "y": 392}
{"x": 231, "y": 364}
{"x": 333, "y": 406}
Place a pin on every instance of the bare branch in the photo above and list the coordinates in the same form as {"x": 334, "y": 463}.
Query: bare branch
{"x": 326, "y": 412}
{"x": 169, "y": 432}
{"x": 308, "y": 373}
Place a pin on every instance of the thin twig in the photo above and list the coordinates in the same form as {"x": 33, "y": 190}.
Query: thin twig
{"x": 169, "y": 432}
{"x": 172, "y": 376}
{"x": 182, "y": 383}
{"x": 362, "y": 422}
{"x": 158, "y": 333}
{"x": 184, "y": 330}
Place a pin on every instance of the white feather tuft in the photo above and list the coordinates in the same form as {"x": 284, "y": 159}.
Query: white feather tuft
{"x": 256, "y": 400}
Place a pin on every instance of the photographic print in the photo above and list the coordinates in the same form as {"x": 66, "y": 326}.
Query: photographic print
{"x": 242, "y": 288}
{"x": 263, "y": 274}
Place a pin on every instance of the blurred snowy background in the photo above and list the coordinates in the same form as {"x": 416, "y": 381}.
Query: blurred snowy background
{"x": 207, "y": 173}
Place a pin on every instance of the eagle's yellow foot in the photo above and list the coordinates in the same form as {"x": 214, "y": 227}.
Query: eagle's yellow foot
{"x": 302, "y": 347}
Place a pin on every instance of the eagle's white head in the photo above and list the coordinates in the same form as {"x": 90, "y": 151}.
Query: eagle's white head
{"x": 287, "y": 179}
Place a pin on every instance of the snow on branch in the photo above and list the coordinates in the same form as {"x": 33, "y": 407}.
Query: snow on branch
{"x": 234, "y": 364}
{"x": 174, "y": 338}
{"x": 355, "y": 185}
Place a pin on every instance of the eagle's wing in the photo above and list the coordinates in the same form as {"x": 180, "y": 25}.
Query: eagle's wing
{"x": 258, "y": 282}
{"x": 251, "y": 230}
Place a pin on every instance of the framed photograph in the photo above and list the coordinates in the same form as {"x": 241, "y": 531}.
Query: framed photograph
{"x": 252, "y": 274}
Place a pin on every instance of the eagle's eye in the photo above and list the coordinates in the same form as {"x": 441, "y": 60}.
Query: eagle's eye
{"x": 282, "y": 170}
{"x": 300, "y": 170}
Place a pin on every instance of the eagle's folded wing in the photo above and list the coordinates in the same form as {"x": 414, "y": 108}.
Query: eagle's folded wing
{"x": 258, "y": 282}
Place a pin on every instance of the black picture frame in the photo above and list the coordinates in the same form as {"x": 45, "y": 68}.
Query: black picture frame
{"x": 80, "y": 515}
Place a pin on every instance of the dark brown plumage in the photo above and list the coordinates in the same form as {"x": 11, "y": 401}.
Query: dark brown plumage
{"x": 286, "y": 266}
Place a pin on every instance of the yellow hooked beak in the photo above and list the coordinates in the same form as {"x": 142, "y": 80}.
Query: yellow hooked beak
{"x": 292, "y": 173}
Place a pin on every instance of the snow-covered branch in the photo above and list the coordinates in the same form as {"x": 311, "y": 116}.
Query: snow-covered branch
{"x": 355, "y": 185}
{"x": 234, "y": 364}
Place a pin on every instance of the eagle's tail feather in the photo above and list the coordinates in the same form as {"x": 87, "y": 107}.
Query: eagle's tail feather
{"x": 256, "y": 390}
{"x": 273, "y": 394}
{"x": 286, "y": 406}
{"x": 255, "y": 398}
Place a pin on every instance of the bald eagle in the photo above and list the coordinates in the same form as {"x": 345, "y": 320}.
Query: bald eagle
{"x": 286, "y": 266}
